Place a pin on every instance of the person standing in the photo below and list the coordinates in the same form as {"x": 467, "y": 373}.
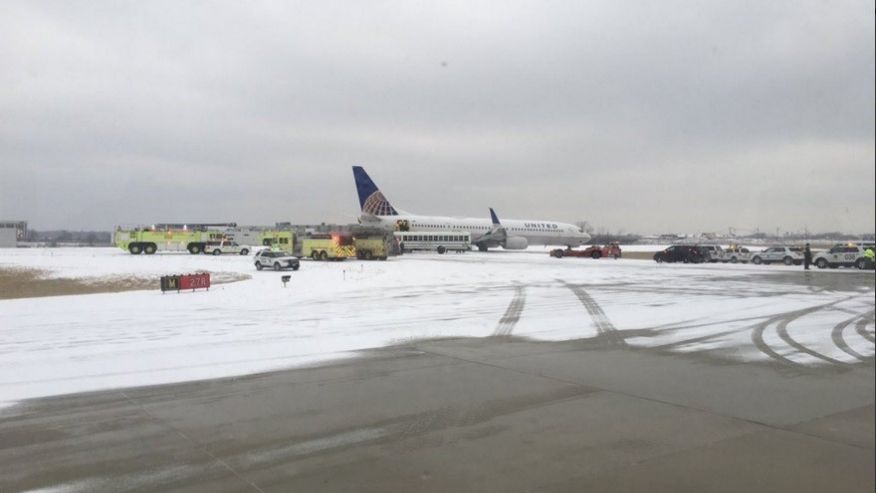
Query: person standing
{"x": 807, "y": 257}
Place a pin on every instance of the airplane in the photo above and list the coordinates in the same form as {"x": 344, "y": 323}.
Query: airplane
{"x": 510, "y": 234}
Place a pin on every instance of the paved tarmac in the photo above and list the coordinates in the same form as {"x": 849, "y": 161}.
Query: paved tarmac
{"x": 494, "y": 414}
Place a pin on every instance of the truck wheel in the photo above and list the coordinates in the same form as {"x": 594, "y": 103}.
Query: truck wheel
{"x": 323, "y": 255}
{"x": 259, "y": 266}
{"x": 296, "y": 266}
{"x": 245, "y": 251}
{"x": 194, "y": 248}
{"x": 861, "y": 263}
{"x": 559, "y": 254}
{"x": 314, "y": 255}
{"x": 382, "y": 258}
{"x": 441, "y": 250}
{"x": 482, "y": 248}
{"x": 733, "y": 260}
{"x": 596, "y": 255}
{"x": 149, "y": 248}
{"x": 757, "y": 261}
{"x": 135, "y": 248}
{"x": 277, "y": 266}
{"x": 367, "y": 255}
{"x": 217, "y": 252}
{"x": 788, "y": 261}
{"x": 821, "y": 263}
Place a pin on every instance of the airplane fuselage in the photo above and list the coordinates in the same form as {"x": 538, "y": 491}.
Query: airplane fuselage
{"x": 535, "y": 232}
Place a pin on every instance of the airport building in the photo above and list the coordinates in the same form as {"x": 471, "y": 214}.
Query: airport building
{"x": 12, "y": 232}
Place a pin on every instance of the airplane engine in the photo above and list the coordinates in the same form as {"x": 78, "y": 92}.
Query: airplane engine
{"x": 515, "y": 243}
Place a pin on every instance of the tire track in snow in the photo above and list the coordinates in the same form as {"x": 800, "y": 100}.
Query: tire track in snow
{"x": 604, "y": 327}
{"x": 782, "y": 331}
{"x": 782, "y": 318}
{"x": 695, "y": 340}
{"x": 839, "y": 341}
{"x": 861, "y": 328}
{"x": 512, "y": 314}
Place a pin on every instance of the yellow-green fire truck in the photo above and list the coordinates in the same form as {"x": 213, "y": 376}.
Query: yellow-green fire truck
{"x": 340, "y": 246}
{"x": 279, "y": 240}
{"x": 333, "y": 246}
{"x": 151, "y": 240}
{"x": 372, "y": 247}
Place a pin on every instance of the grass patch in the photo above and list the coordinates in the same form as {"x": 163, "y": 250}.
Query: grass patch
{"x": 20, "y": 282}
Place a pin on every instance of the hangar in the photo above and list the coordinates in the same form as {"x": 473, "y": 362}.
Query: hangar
{"x": 11, "y": 232}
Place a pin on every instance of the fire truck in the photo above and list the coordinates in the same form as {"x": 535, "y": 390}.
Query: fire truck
{"x": 372, "y": 247}
{"x": 282, "y": 240}
{"x": 154, "y": 239}
{"x": 196, "y": 239}
{"x": 328, "y": 246}
{"x": 362, "y": 245}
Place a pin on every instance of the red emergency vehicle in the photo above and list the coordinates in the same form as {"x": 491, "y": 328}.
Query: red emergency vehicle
{"x": 594, "y": 251}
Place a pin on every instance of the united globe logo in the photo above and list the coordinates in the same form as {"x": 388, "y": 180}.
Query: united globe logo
{"x": 377, "y": 205}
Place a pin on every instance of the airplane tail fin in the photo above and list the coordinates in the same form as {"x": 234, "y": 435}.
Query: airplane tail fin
{"x": 494, "y": 217}
{"x": 371, "y": 199}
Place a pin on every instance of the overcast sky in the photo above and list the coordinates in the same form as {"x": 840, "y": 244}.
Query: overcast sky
{"x": 644, "y": 116}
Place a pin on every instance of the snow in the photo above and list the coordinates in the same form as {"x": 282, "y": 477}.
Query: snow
{"x": 331, "y": 310}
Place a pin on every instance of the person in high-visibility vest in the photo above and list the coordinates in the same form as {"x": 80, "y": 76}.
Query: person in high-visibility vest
{"x": 870, "y": 257}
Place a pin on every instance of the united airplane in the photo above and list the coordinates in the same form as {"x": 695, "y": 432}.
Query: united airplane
{"x": 510, "y": 234}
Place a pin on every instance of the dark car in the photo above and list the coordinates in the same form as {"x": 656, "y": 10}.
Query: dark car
{"x": 680, "y": 253}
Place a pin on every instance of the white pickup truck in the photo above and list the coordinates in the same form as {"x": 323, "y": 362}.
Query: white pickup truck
{"x": 275, "y": 260}
{"x": 225, "y": 247}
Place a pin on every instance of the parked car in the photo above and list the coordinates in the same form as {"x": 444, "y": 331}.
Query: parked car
{"x": 594, "y": 251}
{"x": 680, "y": 253}
{"x": 735, "y": 254}
{"x": 784, "y": 254}
{"x": 224, "y": 247}
{"x": 843, "y": 256}
{"x": 276, "y": 260}
{"x": 712, "y": 253}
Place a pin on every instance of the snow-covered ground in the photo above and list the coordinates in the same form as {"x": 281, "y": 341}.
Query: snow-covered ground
{"x": 66, "y": 344}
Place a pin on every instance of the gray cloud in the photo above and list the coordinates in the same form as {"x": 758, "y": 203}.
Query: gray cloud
{"x": 683, "y": 116}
